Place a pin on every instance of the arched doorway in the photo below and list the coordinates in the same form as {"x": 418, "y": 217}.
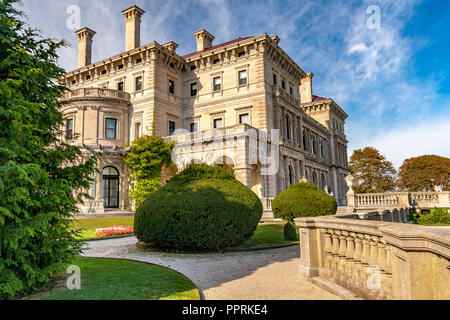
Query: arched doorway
{"x": 110, "y": 187}
{"x": 291, "y": 175}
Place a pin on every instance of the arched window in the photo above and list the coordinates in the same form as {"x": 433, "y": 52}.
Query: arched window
{"x": 305, "y": 146}
{"x": 288, "y": 127}
{"x": 110, "y": 187}
{"x": 314, "y": 177}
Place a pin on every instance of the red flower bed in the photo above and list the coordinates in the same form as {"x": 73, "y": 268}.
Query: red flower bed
{"x": 113, "y": 231}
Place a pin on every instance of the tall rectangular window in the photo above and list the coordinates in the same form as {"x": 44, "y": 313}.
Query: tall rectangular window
{"x": 275, "y": 80}
{"x": 172, "y": 127}
{"x": 111, "y": 128}
{"x": 69, "y": 128}
{"x": 138, "y": 83}
{"x": 291, "y": 91}
{"x": 244, "y": 118}
{"x": 193, "y": 127}
{"x": 171, "y": 86}
{"x": 283, "y": 84}
{"x": 218, "y": 123}
{"x": 137, "y": 130}
{"x": 120, "y": 86}
{"x": 217, "y": 83}
{"x": 193, "y": 89}
{"x": 242, "y": 77}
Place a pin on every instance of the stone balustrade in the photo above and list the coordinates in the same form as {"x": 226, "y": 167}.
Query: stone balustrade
{"x": 85, "y": 93}
{"x": 376, "y": 259}
{"x": 404, "y": 199}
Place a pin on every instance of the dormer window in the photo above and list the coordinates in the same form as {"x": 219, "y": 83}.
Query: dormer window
{"x": 216, "y": 61}
{"x": 73, "y": 82}
{"x": 88, "y": 77}
{"x": 193, "y": 68}
{"x": 172, "y": 65}
{"x": 120, "y": 66}
{"x": 103, "y": 72}
{"x": 138, "y": 60}
{"x": 241, "y": 54}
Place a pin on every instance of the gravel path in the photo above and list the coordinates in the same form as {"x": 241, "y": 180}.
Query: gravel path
{"x": 255, "y": 275}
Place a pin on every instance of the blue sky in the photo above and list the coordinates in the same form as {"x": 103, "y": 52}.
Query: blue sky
{"x": 392, "y": 81}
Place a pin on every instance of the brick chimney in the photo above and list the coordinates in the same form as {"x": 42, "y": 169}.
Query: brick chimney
{"x": 204, "y": 39}
{"x": 85, "y": 37}
{"x": 306, "y": 95}
{"x": 132, "y": 27}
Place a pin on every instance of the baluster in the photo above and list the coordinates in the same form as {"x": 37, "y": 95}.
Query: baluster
{"x": 342, "y": 251}
{"x": 327, "y": 248}
{"x": 350, "y": 253}
{"x": 335, "y": 250}
{"x": 357, "y": 256}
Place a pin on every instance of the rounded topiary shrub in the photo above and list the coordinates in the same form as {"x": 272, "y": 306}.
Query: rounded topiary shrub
{"x": 303, "y": 199}
{"x": 289, "y": 232}
{"x": 201, "y": 208}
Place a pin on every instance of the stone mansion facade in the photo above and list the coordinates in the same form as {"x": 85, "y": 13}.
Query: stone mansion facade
{"x": 238, "y": 92}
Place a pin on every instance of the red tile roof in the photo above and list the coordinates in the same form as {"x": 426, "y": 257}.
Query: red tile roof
{"x": 215, "y": 47}
{"x": 317, "y": 98}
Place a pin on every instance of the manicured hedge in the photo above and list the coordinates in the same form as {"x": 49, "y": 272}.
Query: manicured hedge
{"x": 303, "y": 199}
{"x": 201, "y": 208}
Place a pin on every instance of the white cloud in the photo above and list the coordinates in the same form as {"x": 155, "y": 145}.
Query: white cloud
{"x": 411, "y": 140}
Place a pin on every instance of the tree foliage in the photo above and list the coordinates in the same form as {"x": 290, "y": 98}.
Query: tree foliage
{"x": 303, "y": 199}
{"x": 145, "y": 160}
{"x": 201, "y": 208}
{"x": 424, "y": 172}
{"x": 41, "y": 177}
{"x": 372, "y": 172}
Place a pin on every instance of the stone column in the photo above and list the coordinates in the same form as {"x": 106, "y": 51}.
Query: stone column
{"x": 309, "y": 247}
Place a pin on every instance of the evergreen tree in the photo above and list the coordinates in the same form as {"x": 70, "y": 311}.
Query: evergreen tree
{"x": 372, "y": 172}
{"x": 41, "y": 177}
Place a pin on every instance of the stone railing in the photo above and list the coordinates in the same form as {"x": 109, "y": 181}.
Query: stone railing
{"x": 376, "y": 259}
{"x": 96, "y": 93}
{"x": 404, "y": 199}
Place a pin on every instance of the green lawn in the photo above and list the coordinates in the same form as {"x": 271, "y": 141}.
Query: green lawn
{"x": 266, "y": 235}
{"x": 112, "y": 279}
{"x": 89, "y": 225}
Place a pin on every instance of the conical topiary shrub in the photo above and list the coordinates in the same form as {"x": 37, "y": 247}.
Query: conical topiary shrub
{"x": 303, "y": 199}
{"x": 201, "y": 208}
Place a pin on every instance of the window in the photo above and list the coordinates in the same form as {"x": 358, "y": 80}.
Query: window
{"x": 193, "y": 127}
{"x": 193, "y": 68}
{"x": 172, "y": 65}
{"x": 217, "y": 83}
{"x": 120, "y": 86}
{"x": 275, "y": 81}
{"x": 241, "y": 54}
{"x": 283, "y": 84}
{"x": 288, "y": 128}
{"x": 321, "y": 149}
{"x": 215, "y": 61}
{"x": 138, "y": 60}
{"x": 313, "y": 149}
{"x": 291, "y": 91}
{"x": 137, "y": 130}
{"x": 88, "y": 77}
{"x": 69, "y": 128}
{"x": 291, "y": 176}
{"x": 111, "y": 126}
{"x": 242, "y": 77}
{"x": 138, "y": 83}
{"x": 218, "y": 123}
{"x": 103, "y": 72}
{"x": 244, "y": 118}
{"x": 171, "y": 86}
{"x": 193, "y": 89}
{"x": 73, "y": 82}
{"x": 304, "y": 141}
{"x": 172, "y": 127}
{"x": 120, "y": 66}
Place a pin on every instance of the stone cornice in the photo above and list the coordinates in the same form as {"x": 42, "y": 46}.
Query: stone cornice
{"x": 324, "y": 105}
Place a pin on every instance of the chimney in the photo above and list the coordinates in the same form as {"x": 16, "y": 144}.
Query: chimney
{"x": 132, "y": 27}
{"x": 306, "y": 95}
{"x": 171, "y": 46}
{"x": 204, "y": 39}
{"x": 85, "y": 37}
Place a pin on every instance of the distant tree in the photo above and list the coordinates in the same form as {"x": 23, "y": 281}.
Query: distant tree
{"x": 372, "y": 172}
{"x": 424, "y": 172}
{"x": 42, "y": 178}
{"x": 145, "y": 160}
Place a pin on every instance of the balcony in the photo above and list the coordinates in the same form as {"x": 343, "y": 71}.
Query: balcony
{"x": 95, "y": 94}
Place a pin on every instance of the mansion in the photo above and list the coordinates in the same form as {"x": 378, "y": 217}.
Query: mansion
{"x": 247, "y": 93}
